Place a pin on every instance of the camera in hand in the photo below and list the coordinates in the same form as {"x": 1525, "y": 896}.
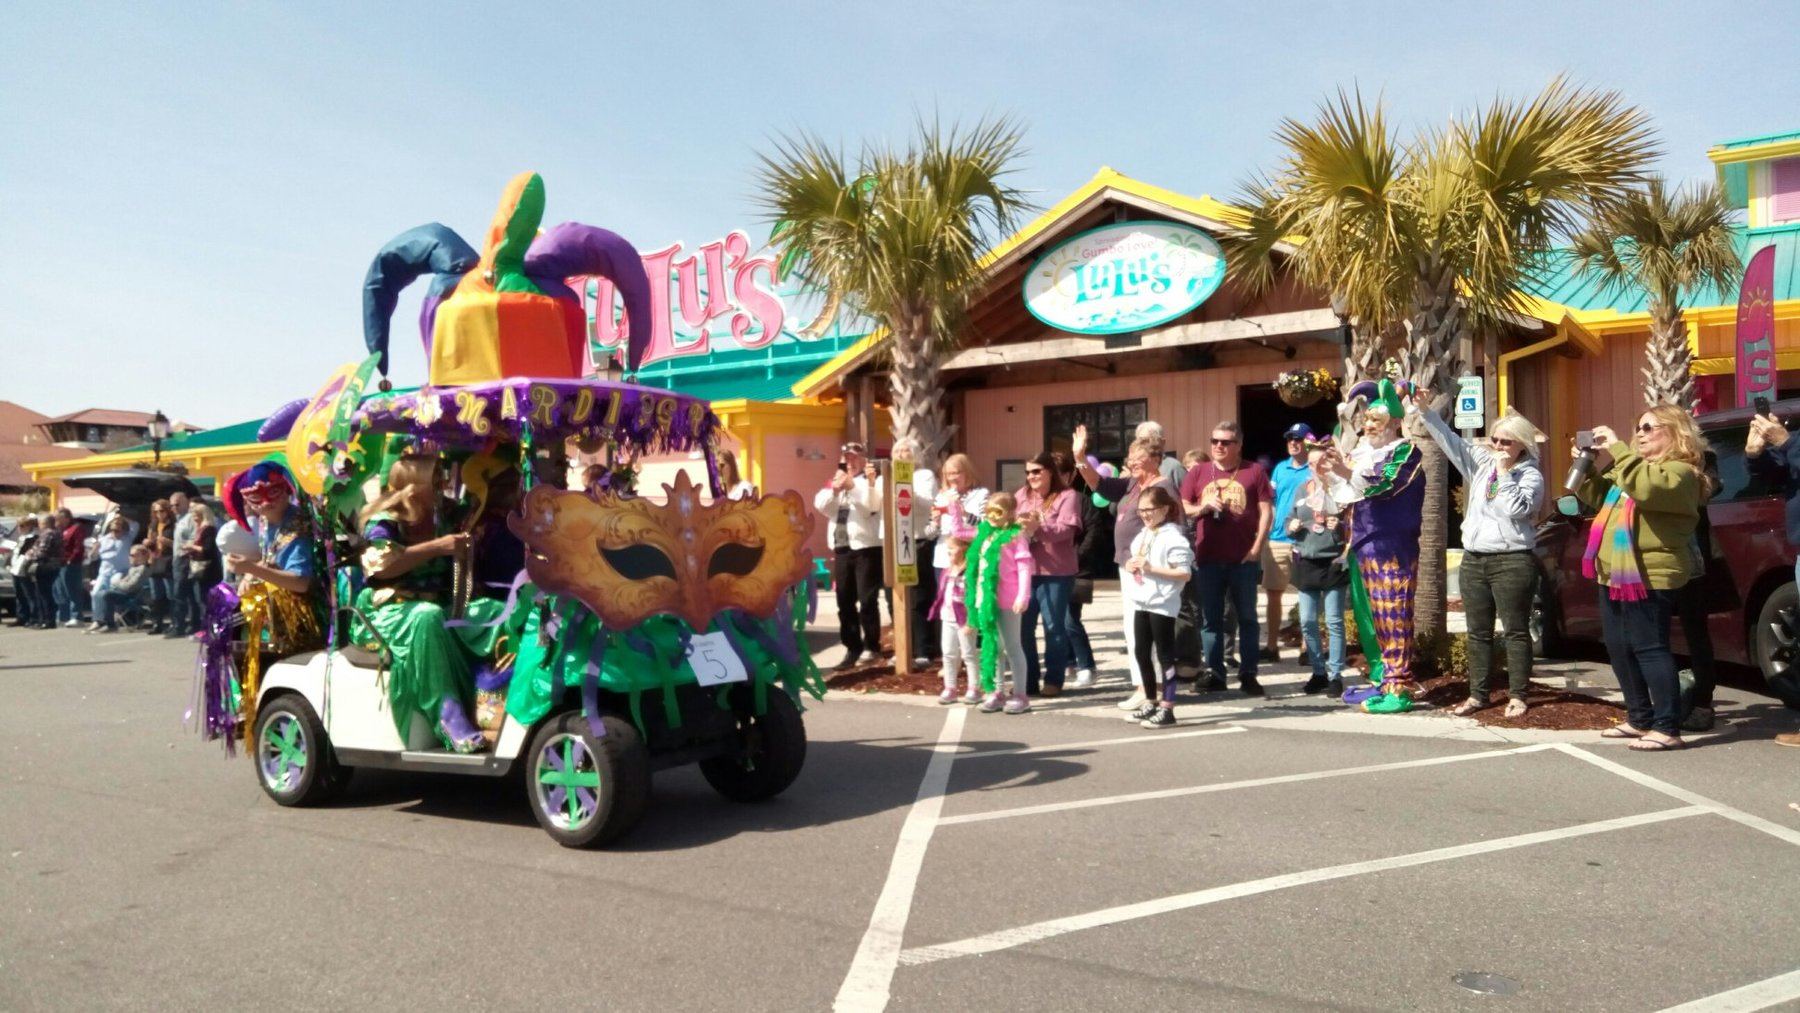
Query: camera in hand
{"x": 1583, "y": 462}
{"x": 1761, "y": 402}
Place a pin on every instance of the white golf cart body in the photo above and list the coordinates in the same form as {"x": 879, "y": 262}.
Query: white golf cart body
{"x": 346, "y": 690}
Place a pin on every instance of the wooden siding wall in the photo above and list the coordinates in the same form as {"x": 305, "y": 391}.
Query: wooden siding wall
{"x": 1007, "y": 423}
{"x": 1609, "y": 388}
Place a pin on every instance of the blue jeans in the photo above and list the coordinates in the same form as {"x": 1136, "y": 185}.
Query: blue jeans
{"x": 1240, "y": 581}
{"x": 1332, "y": 601}
{"x": 181, "y": 599}
{"x": 71, "y": 594}
{"x": 160, "y": 589}
{"x": 1049, "y": 602}
{"x": 1637, "y": 637}
{"x": 1080, "y": 647}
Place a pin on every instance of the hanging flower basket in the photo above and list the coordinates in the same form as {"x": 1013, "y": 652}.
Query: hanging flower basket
{"x": 1303, "y": 388}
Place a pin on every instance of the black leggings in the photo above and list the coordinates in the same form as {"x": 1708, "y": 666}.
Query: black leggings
{"x": 1154, "y": 628}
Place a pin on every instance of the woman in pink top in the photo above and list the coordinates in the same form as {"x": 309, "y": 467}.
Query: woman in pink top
{"x": 1050, "y": 519}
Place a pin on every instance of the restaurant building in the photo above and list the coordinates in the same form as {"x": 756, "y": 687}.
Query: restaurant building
{"x": 1114, "y": 306}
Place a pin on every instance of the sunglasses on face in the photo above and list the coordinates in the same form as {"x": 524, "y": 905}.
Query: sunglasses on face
{"x": 1034, "y": 471}
{"x": 1501, "y": 441}
{"x": 1648, "y": 427}
{"x": 1222, "y": 443}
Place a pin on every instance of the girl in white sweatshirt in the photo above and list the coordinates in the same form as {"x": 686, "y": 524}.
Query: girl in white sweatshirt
{"x": 1161, "y": 562}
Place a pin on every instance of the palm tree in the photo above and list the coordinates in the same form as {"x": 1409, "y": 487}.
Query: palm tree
{"x": 1433, "y": 235}
{"x": 899, "y": 238}
{"x": 1664, "y": 244}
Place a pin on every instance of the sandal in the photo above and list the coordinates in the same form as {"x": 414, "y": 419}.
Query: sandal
{"x": 1467, "y": 707}
{"x": 1516, "y": 708}
{"x": 1621, "y": 732}
{"x": 1649, "y": 745}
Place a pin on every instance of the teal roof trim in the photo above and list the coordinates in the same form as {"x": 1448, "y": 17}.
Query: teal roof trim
{"x": 1558, "y": 281}
{"x": 224, "y": 436}
{"x": 1751, "y": 142}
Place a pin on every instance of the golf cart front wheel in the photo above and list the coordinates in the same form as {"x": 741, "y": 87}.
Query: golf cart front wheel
{"x": 294, "y": 761}
{"x": 587, "y": 790}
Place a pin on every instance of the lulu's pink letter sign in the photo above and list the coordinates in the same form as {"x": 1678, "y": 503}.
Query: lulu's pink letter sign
{"x": 1756, "y": 329}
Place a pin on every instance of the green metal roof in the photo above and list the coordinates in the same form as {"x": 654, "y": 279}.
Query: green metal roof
{"x": 224, "y": 436}
{"x": 1559, "y": 281}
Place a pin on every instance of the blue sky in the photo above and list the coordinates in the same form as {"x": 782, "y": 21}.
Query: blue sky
{"x": 191, "y": 192}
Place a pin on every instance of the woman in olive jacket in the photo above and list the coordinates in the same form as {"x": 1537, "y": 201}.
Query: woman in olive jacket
{"x": 1640, "y": 551}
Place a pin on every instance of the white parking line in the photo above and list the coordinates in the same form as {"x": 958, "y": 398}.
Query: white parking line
{"x": 1129, "y": 740}
{"x": 1205, "y": 789}
{"x": 1787, "y": 834}
{"x": 865, "y": 987}
{"x": 1757, "y": 995}
{"x": 1009, "y": 938}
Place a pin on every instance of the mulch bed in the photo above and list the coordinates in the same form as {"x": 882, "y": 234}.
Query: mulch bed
{"x": 1555, "y": 709}
{"x": 880, "y": 677}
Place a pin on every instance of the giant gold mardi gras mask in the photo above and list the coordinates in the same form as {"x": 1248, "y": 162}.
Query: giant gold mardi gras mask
{"x": 628, "y": 559}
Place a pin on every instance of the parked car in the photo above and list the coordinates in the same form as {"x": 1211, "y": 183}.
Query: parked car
{"x": 1750, "y": 592}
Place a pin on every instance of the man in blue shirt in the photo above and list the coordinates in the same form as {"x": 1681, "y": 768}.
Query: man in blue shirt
{"x": 1288, "y": 477}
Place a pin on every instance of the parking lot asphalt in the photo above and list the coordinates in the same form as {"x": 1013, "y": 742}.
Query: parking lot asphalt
{"x": 927, "y": 858}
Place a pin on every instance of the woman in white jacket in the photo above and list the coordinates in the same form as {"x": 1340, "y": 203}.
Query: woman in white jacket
{"x": 1160, "y": 563}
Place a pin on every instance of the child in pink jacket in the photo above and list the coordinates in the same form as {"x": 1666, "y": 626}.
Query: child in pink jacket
{"x": 956, "y": 637}
{"x": 998, "y": 591}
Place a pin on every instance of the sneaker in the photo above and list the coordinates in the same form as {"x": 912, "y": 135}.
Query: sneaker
{"x": 1335, "y": 689}
{"x": 1699, "y": 719}
{"x": 72, "y": 624}
{"x": 1270, "y": 654}
{"x": 1316, "y": 684}
{"x": 948, "y": 696}
{"x": 973, "y": 696}
{"x": 95, "y": 627}
{"x": 1164, "y": 717}
{"x": 1788, "y": 739}
{"x": 867, "y": 658}
{"x": 1147, "y": 708}
{"x": 847, "y": 663}
{"x": 1084, "y": 678}
{"x": 1132, "y": 702}
{"x": 992, "y": 704}
{"x": 1212, "y": 684}
{"x": 921, "y": 662}
{"x": 1048, "y": 690}
{"x": 1018, "y": 705}
{"x": 1251, "y": 687}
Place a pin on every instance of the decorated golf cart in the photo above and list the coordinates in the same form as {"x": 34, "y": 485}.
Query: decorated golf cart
{"x": 424, "y": 594}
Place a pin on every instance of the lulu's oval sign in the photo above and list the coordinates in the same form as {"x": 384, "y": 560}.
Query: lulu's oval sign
{"x": 1124, "y": 277}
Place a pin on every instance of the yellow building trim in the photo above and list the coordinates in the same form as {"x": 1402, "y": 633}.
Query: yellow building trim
{"x": 215, "y": 462}
{"x": 1727, "y": 364}
{"x": 1568, "y": 331}
{"x": 1754, "y": 152}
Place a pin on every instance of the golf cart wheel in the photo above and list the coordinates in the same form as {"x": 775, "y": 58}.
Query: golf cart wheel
{"x": 586, "y": 791}
{"x": 294, "y": 762}
{"x": 768, "y": 755}
{"x": 1776, "y": 639}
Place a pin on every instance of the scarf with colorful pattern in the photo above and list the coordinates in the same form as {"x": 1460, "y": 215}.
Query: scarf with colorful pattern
{"x": 1610, "y": 541}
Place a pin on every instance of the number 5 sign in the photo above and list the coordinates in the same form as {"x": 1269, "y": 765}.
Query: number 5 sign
{"x": 714, "y": 661}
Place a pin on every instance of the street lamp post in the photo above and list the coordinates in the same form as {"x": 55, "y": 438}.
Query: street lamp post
{"x": 159, "y": 431}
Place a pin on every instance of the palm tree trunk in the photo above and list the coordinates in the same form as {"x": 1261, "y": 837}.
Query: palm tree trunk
{"x": 1668, "y": 362}
{"x": 916, "y": 382}
{"x": 1362, "y": 363}
{"x": 1432, "y": 359}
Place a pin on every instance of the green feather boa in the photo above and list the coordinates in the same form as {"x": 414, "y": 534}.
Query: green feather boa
{"x": 982, "y": 591}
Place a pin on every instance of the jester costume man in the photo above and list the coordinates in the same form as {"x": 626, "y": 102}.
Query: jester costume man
{"x": 1386, "y": 493}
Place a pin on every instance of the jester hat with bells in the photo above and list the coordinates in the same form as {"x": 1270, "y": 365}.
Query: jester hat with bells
{"x": 507, "y": 311}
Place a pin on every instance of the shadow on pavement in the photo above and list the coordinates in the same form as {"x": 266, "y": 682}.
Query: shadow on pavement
{"x": 842, "y": 781}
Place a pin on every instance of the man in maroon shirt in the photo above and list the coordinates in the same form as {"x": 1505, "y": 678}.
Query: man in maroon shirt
{"x": 1231, "y": 503}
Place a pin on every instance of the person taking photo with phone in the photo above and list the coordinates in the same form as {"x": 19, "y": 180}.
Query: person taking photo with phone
{"x": 1774, "y": 454}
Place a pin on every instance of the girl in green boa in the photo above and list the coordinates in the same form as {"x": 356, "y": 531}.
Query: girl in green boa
{"x": 998, "y": 593}
{"x": 408, "y": 567}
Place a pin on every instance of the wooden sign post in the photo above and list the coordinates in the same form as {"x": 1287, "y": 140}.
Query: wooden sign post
{"x": 903, "y": 562}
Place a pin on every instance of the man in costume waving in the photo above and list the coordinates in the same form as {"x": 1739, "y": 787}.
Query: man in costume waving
{"x": 1385, "y": 489}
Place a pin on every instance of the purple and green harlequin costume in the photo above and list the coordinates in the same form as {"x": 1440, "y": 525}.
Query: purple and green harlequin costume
{"x": 1388, "y": 490}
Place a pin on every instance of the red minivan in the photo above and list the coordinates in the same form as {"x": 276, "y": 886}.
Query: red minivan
{"x": 1752, "y": 601}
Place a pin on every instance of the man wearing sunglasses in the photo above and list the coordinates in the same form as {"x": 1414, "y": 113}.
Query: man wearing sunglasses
{"x": 1232, "y": 504}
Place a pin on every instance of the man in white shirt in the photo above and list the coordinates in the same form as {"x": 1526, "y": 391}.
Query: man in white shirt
{"x": 852, "y": 505}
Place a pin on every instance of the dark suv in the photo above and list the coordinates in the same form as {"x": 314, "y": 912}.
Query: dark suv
{"x": 1749, "y": 589}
